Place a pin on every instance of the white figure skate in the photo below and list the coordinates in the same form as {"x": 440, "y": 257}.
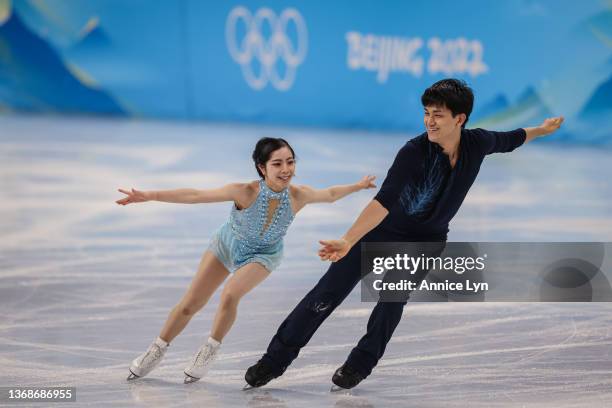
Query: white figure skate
{"x": 147, "y": 361}
{"x": 201, "y": 361}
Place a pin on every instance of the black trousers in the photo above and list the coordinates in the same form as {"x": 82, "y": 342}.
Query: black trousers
{"x": 339, "y": 280}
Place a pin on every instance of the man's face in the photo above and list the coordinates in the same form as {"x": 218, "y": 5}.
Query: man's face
{"x": 440, "y": 123}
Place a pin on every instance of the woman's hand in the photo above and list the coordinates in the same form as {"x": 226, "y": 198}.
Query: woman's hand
{"x": 367, "y": 182}
{"x": 134, "y": 196}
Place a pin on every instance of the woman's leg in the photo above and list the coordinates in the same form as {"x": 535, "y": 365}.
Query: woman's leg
{"x": 243, "y": 280}
{"x": 211, "y": 274}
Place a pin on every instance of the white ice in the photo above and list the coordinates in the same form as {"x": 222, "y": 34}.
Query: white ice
{"x": 85, "y": 285}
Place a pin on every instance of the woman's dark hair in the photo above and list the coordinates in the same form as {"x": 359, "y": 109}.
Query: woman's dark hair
{"x": 264, "y": 149}
{"x": 455, "y": 94}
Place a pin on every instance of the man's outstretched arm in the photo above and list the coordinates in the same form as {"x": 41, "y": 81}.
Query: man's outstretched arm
{"x": 490, "y": 141}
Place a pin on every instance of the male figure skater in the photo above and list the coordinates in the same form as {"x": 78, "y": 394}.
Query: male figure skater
{"x": 423, "y": 190}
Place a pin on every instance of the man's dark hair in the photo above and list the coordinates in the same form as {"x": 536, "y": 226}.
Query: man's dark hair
{"x": 452, "y": 93}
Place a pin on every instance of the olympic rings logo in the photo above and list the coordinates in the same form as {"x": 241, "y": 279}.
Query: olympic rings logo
{"x": 267, "y": 50}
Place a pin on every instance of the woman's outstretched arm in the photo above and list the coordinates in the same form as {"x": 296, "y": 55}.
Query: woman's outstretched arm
{"x": 309, "y": 195}
{"x": 231, "y": 192}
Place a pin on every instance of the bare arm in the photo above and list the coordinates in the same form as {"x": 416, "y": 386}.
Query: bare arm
{"x": 309, "y": 195}
{"x": 547, "y": 127}
{"x": 230, "y": 192}
{"x": 370, "y": 217}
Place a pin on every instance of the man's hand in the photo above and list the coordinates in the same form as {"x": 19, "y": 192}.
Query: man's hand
{"x": 551, "y": 124}
{"x": 547, "y": 127}
{"x": 334, "y": 249}
{"x": 134, "y": 196}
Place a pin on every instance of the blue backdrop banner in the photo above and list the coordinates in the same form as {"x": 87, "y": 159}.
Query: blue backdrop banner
{"x": 339, "y": 64}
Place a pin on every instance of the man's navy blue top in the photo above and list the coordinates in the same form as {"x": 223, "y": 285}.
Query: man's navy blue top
{"x": 423, "y": 193}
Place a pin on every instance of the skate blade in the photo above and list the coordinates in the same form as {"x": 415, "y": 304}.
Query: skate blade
{"x": 132, "y": 376}
{"x": 189, "y": 379}
{"x": 336, "y": 388}
{"x": 247, "y": 387}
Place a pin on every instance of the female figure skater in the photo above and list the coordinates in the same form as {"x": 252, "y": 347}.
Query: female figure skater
{"x": 249, "y": 245}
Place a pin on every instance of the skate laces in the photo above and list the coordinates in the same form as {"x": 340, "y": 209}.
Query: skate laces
{"x": 205, "y": 355}
{"x": 262, "y": 369}
{"x": 348, "y": 371}
{"x": 153, "y": 354}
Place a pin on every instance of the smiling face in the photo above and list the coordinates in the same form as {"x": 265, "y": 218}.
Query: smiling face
{"x": 279, "y": 169}
{"x": 440, "y": 123}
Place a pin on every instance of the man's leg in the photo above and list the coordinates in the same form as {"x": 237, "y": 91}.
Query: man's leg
{"x": 301, "y": 324}
{"x": 382, "y": 323}
{"x": 384, "y": 319}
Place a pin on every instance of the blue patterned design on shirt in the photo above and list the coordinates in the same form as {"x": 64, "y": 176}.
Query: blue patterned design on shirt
{"x": 418, "y": 200}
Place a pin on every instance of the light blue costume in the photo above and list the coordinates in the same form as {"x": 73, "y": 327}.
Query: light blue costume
{"x": 243, "y": 240}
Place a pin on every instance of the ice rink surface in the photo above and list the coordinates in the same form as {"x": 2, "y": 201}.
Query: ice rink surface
{"x": 85, "y": 284}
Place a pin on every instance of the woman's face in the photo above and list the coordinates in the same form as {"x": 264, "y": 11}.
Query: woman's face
{"x": 279, "y": 169}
